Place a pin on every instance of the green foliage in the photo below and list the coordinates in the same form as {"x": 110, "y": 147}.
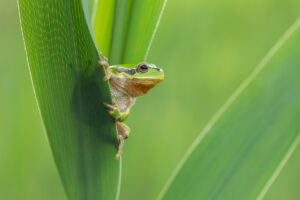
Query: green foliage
{"x": 70, "y": 90}
{"x": 130, "y": 28}
{"x": 69, "y": 86}
{"x": 206, "y": 48}
{"x": 243, "y": 148}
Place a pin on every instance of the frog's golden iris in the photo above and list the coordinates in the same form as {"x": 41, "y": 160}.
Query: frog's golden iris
{"x": 142, "y": 68}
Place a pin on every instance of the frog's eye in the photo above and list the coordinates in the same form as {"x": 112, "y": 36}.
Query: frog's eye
{"x": 143, "y": 68}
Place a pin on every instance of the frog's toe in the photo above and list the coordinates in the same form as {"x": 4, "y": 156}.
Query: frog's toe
{"x": 102, "y": 63}
{"x": 113, "y": 110}
{"x": 109, "y": 107}
{"x": 118, "y": 155}
{"x": 105, "y": 78}
{"x": 101, "y": 56}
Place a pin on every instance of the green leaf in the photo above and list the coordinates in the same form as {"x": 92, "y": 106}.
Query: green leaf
{"x": 69, "y": 88}
{"x": 103, "y": 16}
{"x": 131, "y": 28}
{"x": 243, "y": 148}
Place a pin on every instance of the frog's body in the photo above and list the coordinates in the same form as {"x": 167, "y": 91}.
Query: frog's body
{"x": 127, "y": 82}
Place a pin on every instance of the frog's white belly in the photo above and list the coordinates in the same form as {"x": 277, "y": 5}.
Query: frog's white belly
{"x": 120, "y": 96}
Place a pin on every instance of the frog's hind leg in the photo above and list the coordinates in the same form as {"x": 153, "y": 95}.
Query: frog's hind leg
{"x": 123, "y": 129}
{"x": 123, "y": 133}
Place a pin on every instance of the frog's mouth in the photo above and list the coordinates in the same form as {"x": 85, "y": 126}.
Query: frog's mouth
{"x": 136, "y": 86}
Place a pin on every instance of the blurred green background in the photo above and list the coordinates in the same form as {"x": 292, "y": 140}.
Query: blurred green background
{"x": 206, "y": 49}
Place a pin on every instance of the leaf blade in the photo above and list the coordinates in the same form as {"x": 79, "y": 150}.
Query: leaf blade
{"x": 69, "y": 90}
{"x": 137, "y": 28}
{"x": 137, "y": 48}
{"x": 103, "y": 16}
{"x": 175, "y": 190}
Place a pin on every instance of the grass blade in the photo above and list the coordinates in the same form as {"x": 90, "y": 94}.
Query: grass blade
{"x": 103, "y": 16}
{"x": 276, "y": 173}
{"x": 250, "y": 137}
{"x": 70, "y": 90}
{"x": 133, "y": 30}
{"x": 118, "y": 33}
{"x": 144, "y": 21}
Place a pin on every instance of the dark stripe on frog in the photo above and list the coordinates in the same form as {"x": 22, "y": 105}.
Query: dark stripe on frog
{"x": 128, "y": 71}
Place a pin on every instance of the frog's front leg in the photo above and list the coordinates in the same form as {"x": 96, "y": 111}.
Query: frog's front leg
{"x": 104, "y": 62}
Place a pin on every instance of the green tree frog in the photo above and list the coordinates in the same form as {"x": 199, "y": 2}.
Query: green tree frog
{"x": 127, "y": 82}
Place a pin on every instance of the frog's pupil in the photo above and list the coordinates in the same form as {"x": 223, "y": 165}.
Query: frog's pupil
{"x": 144, "y": 67}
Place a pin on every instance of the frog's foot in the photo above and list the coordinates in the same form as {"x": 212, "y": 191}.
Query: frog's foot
{"x": 101, "y": 56}
{"x": 115, "y": 112}
{"x": 123, "y": 133}
{"x": 104, "y": 62}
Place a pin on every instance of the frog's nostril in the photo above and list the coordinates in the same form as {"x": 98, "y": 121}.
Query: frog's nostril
{"x": 157, "y": 69}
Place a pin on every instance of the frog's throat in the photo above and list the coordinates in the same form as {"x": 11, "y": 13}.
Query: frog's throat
{"x": 134, "y": 86}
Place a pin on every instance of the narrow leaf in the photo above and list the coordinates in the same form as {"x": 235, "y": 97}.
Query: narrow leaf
{"x": 142, "y": 27}
{"x": 243, "y": 148}
{"x": 132, "y": 26}
{"x": 103, "y": 18}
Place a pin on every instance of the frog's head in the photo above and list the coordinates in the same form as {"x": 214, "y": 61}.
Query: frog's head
{"x": 140, "y": 78}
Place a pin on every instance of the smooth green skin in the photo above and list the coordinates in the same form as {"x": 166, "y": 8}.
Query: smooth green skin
{"x": 151, "y": 74}
{"x": 116, "y": 114}
{"x": 69, "y": 89}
